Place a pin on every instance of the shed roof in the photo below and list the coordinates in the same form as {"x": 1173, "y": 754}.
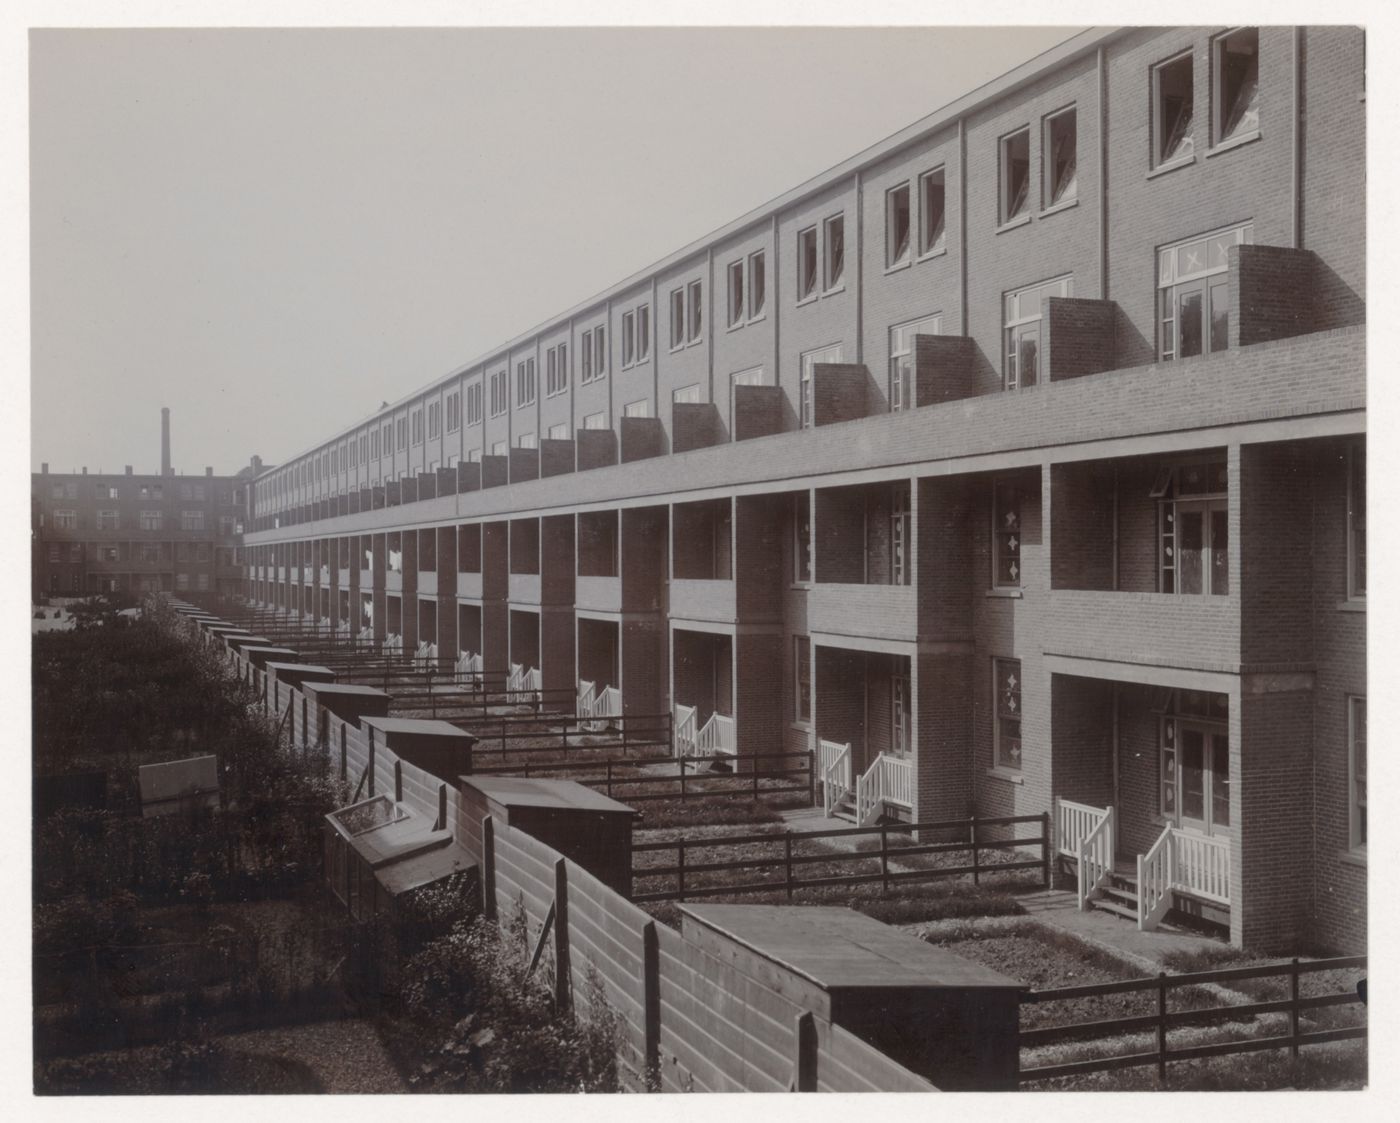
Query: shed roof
{"x": 516, "y": 791}
{"x": 419, "y": 727}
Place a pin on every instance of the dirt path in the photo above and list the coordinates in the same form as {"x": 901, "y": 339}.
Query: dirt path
{"x": 346, "y": 1055}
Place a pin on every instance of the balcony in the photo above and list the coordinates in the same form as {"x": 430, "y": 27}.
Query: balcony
{"x": 874, "y": 611}
{"x": 598, "y": 594}
{"x": 1151, "y": 629}
{"x": 427, "y": 582}
{"x": 393, "y": 580}
{"x": 469, "y": 585}
{"x": 343, "y": 579}
{"x": 524, "y": 588}
{"x": 700, "y": 599}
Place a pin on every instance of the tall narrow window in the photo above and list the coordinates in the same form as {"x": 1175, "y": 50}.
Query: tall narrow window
{"x": 586, "y": 356}
{"x": 758, "y": 285}
{"x": 629, "y": 339}
{"x": 694, "y": 310}
{"x": 1173, "y": 103}
{"x": 1236, "y": 94}
{"x": 643, "y": 332}
{"x": 1193, "y": 285}
{"x": 736, "y": 293}
{"x": 1356, "y": 522}
{"x": 802, "y": 537}
{"x": 902, "y": 337}
{"x": 1356, "y": 742}
{"x": 600, "y": 351}
{"x": 1193, "y": 521}
{"x": 900, "y": 532}
{"x": 1015, "y": 172}
{"x": 677, "y": 318}
{"x": 806, "y": 262}
{"x": 802, "y": 677}
{"x": 897, "y": 225}
{"x": 806, "y": 399}
{"x": 1006, "y": 685}
{"x": 834, "y": 237}
{"x": 1023, "y": 315}
{"x": 1006, "y": 534}
{"x": 1058, "y": 157}
{"x": 932, "y": 212}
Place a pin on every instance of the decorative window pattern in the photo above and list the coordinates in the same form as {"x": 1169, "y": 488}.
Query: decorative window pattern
{"x": 1193, "y": 528}
{"x": 1006, "y": 534}
{"x": 1235, "y": 71}
{"x": 1173, "y": 102}
{"x": 1015, "y": 175}
{"x": 802, "y": 537}
{"x": 1059, "y": 145}
{"x": 900, "y": 534}
{"x": 1193, "y": 286}
{"x": 1006, "y": 685}
{"x": 902, "y": 336}
{"x": 1023, "y": 311}
{"x": 802, "y": 677}
{"x": 933, "y": 232}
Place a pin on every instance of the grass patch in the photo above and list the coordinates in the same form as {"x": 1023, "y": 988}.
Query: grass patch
{"x": 707, "y": 811}
{"x": 184, "y": 1068}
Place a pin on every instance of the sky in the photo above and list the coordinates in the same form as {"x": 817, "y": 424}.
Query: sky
{"x": 272, "y": 231}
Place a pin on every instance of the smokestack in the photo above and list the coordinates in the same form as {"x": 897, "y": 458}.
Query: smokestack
{"x": 165, "y": 441}
{"x": 44, "y": 467}
{"x": 128, "y": 469}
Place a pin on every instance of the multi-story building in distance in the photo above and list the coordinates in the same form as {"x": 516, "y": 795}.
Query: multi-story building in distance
{"x": 1015, "y": 465}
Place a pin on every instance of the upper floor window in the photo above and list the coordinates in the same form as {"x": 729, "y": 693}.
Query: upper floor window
{"x": 833, "y": 252}
{"x": 556, "y": 370}
{"x": 65, "y": 520}
{"x": 434, "y": 420}
{"x": 418, "y": 426}
{"x": 1173, "y": 101}
{"x": 747, "y": 289}
{"x": 933, "y": 236}
{"x": 629, "y": 339}
{"x": 525, "y": 382}
{"x": 806, "y": 263}
{"x": 1023, "y": 317}
{"x": 152, "y": 491}
{"x": 152, "y": 520}
{"x": 402, "y": 426}
{"x": 107, "y": 491}
{"x": 687, "y": 315}
{"x": 802, "y": 677}
{"x": 736, "y": 305}
{"x": 1356, "y": 521}
{"x": 643, "y": 344}
{"x": 593, "y": 354}
{"x": 474, "y": 403}
{"x": 902, "y": 388}
{"x": 1014, "y": 165}
{"x": 1006, "y": 534}
{"x": 1059, "y": 144}
{"x": 640, "y": 408}
{"x": 802, "y": 537}
{"x": 806, "y": 399}
{"x": 454, "y": 415}
{"x": 108, "y": 520}
{"x": 1006, "y": 732}
{"x": 1193, "y": 286}
{"x": 191, "y": 520}
{"x": 897, "y": 225}
{"x": 500, "y": 393}
{"x": 1356, "y": 752}
{"x": 1193, "y": 527}
{"x": 1235, "y": 71}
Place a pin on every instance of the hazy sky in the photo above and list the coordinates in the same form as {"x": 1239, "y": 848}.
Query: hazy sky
{"x": 271, "y": 232}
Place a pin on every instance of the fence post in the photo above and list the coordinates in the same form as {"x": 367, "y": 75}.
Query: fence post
{"x": 488, "y": 868}
{"x": 610, "y": 764}
{"x": 682, "y": 761}
{"x": 680, "y": 870}
{"x": 563, "y": 978}
{"x": 398, "y": 781}
{"x": 753, "y": 763}
{"x": 812, "y": 777}
{"x": 1162, "y": 1028}
{"x": 305, "y": 739}
{"x": 976, "y": 869}
{"x": 884, "y": 858}
{"x": 787, "y": 862}
{"x": 1045, "y": 850}
{"x": 805, "y": 1079}
{"x": 371, "y": 761}
{"x": 344, "y": 754}
{"x": 1293, "y": 1008}
{"x": 651, "y": 1007}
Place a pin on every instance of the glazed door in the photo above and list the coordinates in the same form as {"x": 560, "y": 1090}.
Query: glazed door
{"x": 1204, "y": 778}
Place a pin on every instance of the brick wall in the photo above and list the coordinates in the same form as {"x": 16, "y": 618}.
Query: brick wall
{"x": 758, "y": 411}
{"x": 1079, "y": 336}
{"x": 945, "y": 368}
{"x": 694, "y": 425}
{"x": 495, "y": 470}
{"x": 759, "y": 532}
{"x": 840, "y": 392}
{"x": 758, "y": 709}
{"x": 1272, "y": 290}
{"x": 597, "y": 448}
{"x": 942, "y": 734}
{"x": 1276, "y": 609}
{"x": 1082, "y": 525}
{"x": 641, "y": 438}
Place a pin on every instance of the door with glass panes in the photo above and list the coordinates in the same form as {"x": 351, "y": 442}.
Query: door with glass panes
{"x": 1203, "y": 797}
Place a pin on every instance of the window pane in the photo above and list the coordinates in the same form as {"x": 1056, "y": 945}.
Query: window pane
{"x": 1219, "y": 550}
{"x": 1015, "y": 174}
{"x": 643, "y": 334}
{"x": 736, "y": 292}
{"x": 1193, "y": 780}
{"x": 1061, "y": 158}
{"x": 835, "y": 250}
{"x": 1220, "y": 315}
{"x": 1190, "y": 314}
{"x": 1174, "y": 110}
{"x": 806, "y": 263}
{"x": 1191, "y": 543}
{"x": 757, "y": 290}
{"x": 695, "y": 312}
{"x": 1028, "y": 354}
{"x": 897, "y": 225}
{"x": 932, "y": 219}
{"x": 1238, "y": 60}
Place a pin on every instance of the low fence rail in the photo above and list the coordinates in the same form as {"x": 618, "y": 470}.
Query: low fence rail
{"x": 1163, "y": 1019}
{"x": 565, "y": 734}
{"x": 788, "y": 858}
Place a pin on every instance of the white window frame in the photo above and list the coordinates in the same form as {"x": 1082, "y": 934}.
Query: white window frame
{"x": 475, "y": 403}
{"x": 677, "y": 302}
{"x": 806, "y": 411}
{"x": 894, "y": 257}
{"x": 694, "y": 312}
{"x": 597, "y": 420}
{"x": 556, "y": 370}
{"x": 1167, "y": 491}
{"x": 152, "y": 520}
{"x": 1186, "y": 152}
{"x": 559, "y": 432}
{"x": 807, "y": 273}
{"x": 1014, "y": 534}
{"x": 640, "y": 408}
{"x": 1246, "y": 129}
{"x": 64, "y": 519}
{"x": 1177, "y": 277}
{"x": 500, "y": 392}
{"x": 109, "y": 520}
{"x": 1048, "y": 201}
{"x": 939, "y": 245}
{"x": 833, "y": 284}
{"x": 1356, "y": 799}
{"x": 687, "y": 394}
{"x": 1005, "y": 215}
{"x": 643, "y": 348}
{"x": 902, "y": 388}
{"x": 526, "y": 440}
{"x": 629, "y": 338}
{"x": 526, "y": 383}
{"x": 757, "y": 304}
{"x": 417, "y": 429}
{"x": 1019, "y": 322}
{"x": 736, "y": 296}
{"x": 600, "y": 351}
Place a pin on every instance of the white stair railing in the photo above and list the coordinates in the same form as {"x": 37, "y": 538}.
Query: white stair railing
{"x": 717, "y": 736}
{"x": 1074, "y": 822}
{"x": 586, "y": 690}
{"x": 1095, "y": 857}
{"x": 835, "y": 762}
{"x": 608, "y": 703}
{"x": 870, "y": 794}
{"x": 393, "y": 644}
{"x": 1202, "y": 866}
{"x": 515, "y": 680}
{"x": 1155, "y": 872}
{"x": 343, "y": 628}
{"x": 534, "y": 682}
{"x": 425, "y": 654}
{"x": 898, "y": 780}
{"x": 683, "y": 726}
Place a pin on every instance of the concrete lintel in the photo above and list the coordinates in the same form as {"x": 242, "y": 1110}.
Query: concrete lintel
{"x": 866, "y": 643}
{"x": 1181, "y": 678}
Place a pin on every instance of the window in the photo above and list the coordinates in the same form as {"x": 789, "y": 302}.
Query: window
{"x": 525, "y": 440}
{"x": 500, "y": 393}
{"x": 54, "y": 554}
{"x": 201, "y": 552}
{"x": 374, "y": 444}
{"x": 689, "y": 393}
{"x": 1356, "y": 522}
{"x": 802, "y": 538}
{"x": 806, "y": 263}
{"x": 226, "y": 526}
{"x": 1193, "y": 285}
{"x": 1172, "y": 109}
{"x": 150, "y": 553}
{"x": 201, "y": 582}
{"x": 152, "y": 491}
{"x": 834, "y": 252}
{"x": 498, "y": 448}
{"x": 75, "y": 552}
{"x": 108, "y": 520}
{"x": 593, "y": 351}
{"x": 896, "y": 225}
{"x": 643, "y": 332}
{"x": 902, "y": 336}
{"x": 556, "y": 370}
{"x": 559, "y": 432}
{"x": 1195, "y": 761}
{"x": 900, "y": 534}
{"x": 191, "y": 520}
{"x": 106, "y": 491}
{"x": 640, "y": 408}
{"x": 1356, "y": 745}
{"x": 736, "y": 293}
{"x": 1023, "y": 312}
{"x": 1006, "y": 732}
{"x": 1058, "y": 159}
{"x": 677, "y": 319}
{"x": 802, "y": 677}
{"x": 1235, "y": 72}
{"x": 1015, "y": 173}
{"x": 65, "y": 520}
{"x": 474, "y": 404}
{"x": 434, "y": 420}
{"x": 525, "y": 383}
{"x": 454, "y": 413}
{"x": 694, "y": 315}
{"x": 595, "y": 421}
{"x": 402, "y": 433}
{"x": 932, "y": 213}
{"x": 810, "y": 359}
{"x": 182, "y": 582}
{"x": 1006, "y": 534}
{"x": 1193, "y": 528}
{"x": 417, "y": 426}
{"x": 758, "y": 284}
{"x": 629, "y": 338}
{"x": 152, "y": 520}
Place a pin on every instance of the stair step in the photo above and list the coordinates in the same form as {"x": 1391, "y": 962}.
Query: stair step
{"x": 1112, "y": 906}
{"x": 1120, "y": 897}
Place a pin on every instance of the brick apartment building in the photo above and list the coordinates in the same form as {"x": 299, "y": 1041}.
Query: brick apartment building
{"x": 1015, "y": 465}
{"x": 135, "y": 534}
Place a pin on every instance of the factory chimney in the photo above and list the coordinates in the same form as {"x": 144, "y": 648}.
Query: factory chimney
{"x": 165, "y": 469}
